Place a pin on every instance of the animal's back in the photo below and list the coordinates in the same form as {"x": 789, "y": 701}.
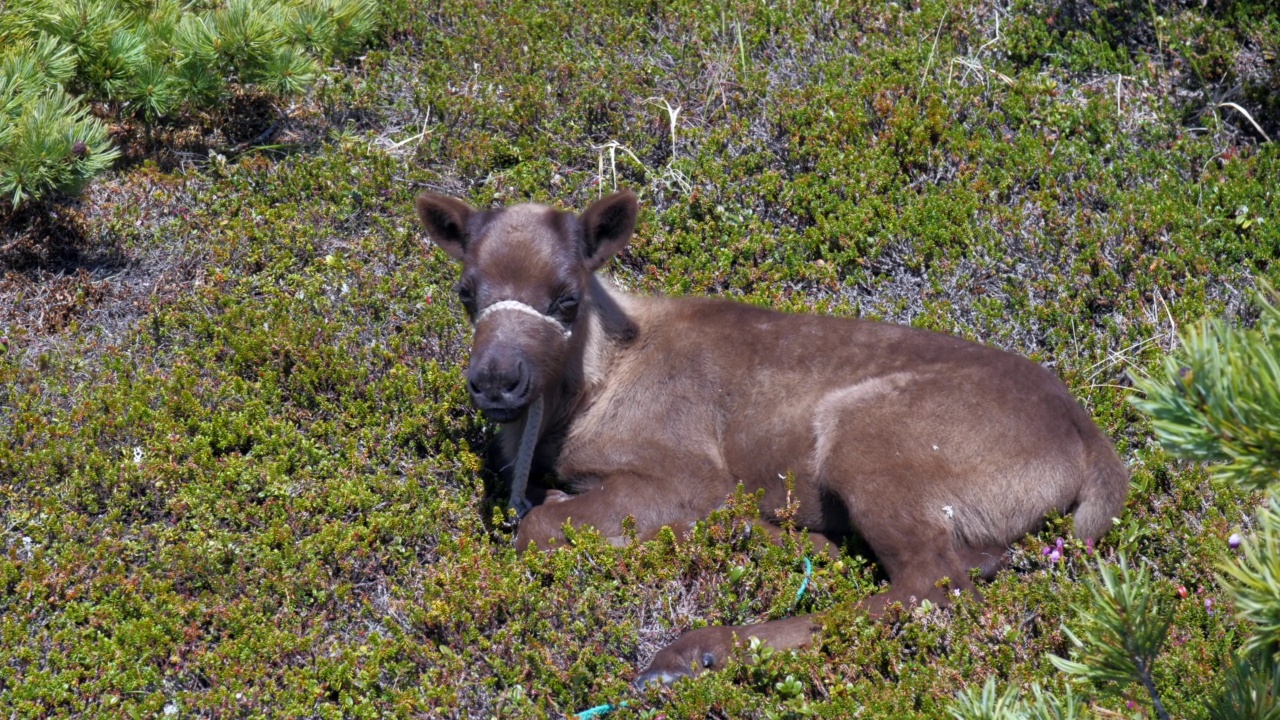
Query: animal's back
{"x": 717, "y": 387}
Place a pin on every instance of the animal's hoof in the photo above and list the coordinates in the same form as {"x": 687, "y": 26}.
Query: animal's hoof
{"x": 691, "y": 654}
{"x": 657, "y": 677}
{"x": 522, "y": 506}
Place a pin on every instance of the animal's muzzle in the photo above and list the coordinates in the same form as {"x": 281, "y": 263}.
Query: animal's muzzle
{"x": 501, "y": 390}
{"x": 501, "y": 378}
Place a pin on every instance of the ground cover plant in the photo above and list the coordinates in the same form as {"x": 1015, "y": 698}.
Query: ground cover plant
{"x": 239, "y": 474}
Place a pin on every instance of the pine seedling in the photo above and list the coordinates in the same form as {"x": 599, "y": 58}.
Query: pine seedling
{"x": 1254, "y": 581}
{"x": 81, "y": 24}
{"x": 1250, "y": 690}
{"x": 988, "y": 704}
{"x": 1045, "y": 705}
{"x": 154, "y": 90}
{"x": 109, "y": 71}
{"x": 1219, "y": 400}
{"x": 311, "y": 27}
{"x": 89, "y": 28}
{"x": 1123, "y": 628}
{"x": 287, "y": 72}
{"x": 353, "y": 21}
{"x": 150, "y": 59}
{"x": 52, "y": 146}
{"x": 196, "y": 51}
{"x": 158, "y": 20}
{"x": 244, "y": 37}
{"x": 38, "y": 62}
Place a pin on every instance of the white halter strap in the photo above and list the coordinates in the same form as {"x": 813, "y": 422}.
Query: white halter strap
{"x": 526, "y": 309}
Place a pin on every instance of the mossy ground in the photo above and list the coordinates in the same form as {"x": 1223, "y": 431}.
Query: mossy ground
{"x": 239, "y": 474}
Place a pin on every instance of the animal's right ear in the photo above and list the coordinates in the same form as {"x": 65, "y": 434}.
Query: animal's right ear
{"x": 446, "y": 222}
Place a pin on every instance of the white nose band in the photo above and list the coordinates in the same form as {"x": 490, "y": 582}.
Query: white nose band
{"x": 526, "y": 309}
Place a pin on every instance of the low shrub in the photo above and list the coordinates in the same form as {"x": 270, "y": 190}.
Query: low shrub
{"x": 149, "y": 61}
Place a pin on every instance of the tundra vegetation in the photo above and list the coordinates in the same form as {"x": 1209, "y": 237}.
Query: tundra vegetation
{"x": 239, "y": 473}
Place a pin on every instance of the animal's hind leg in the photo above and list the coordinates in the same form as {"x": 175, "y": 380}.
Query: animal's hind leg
{"x": 987, "y": 560}
{"x": 929, "y": 555}
{"x": 920, "y": 560}
{"x": 913, "y": 538}
{"x": 906, "y": 477}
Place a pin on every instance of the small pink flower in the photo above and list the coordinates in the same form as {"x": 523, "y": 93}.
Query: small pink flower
{"x": 1055, "y": 556}
{"x": 1060, "y": 544}
{"x": 1088, "y": 546}
{"x": 1047, "y": 549}
{"x": 1208, "y": 606}
{"x": 1234, "y": 541}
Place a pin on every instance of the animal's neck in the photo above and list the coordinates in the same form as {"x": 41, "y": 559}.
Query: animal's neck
{"x": 606, "y": 329}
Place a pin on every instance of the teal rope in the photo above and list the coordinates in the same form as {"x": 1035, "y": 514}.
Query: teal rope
{"x": 602, "y": 710}
{"x": 804, "y": 584}
{"x": 598, "y": 710}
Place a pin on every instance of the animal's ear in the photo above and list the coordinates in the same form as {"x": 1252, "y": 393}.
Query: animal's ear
{"x": 607, "y": 226}
{"x": 446, "y": 222}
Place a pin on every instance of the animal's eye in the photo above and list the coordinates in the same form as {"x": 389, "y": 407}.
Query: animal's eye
{"x": 565, "y": 307}
{"x": 464, "y": 294}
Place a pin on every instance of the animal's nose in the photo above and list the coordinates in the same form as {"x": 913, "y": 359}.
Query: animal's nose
{"x": 500, "y": 386}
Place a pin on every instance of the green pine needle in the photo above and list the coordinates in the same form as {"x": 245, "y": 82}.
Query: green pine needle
{"x": 1219, "y": 399}
{"x": 52, "y": 146}
{"x": 151, "y": 59}
{"x": 1123, "y": 628}
{"x": 1250, "y": 690}
{"x": 1254, "y": 581}
{"x": 987, "y": 704}
{"x": 288, "y": 72}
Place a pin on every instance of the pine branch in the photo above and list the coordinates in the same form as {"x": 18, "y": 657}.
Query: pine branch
{"x": 1123, "y": 628}
{"x": 151, "y": 60}
{"x": 1219, "y": 399}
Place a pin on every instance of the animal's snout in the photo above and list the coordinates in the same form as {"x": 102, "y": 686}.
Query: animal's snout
{"x": 501, "y": 389}
{"x": 497, "y": 383}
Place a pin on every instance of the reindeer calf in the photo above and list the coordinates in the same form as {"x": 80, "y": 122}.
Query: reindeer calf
{"x": 936, "y": 452}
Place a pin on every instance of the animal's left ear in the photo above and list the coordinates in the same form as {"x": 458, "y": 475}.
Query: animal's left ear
{"x": 607, "y": 226}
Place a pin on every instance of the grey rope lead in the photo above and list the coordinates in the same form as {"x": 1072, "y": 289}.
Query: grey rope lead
{"x": 533, "y": 419}
{"x": 524, "y": 458}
